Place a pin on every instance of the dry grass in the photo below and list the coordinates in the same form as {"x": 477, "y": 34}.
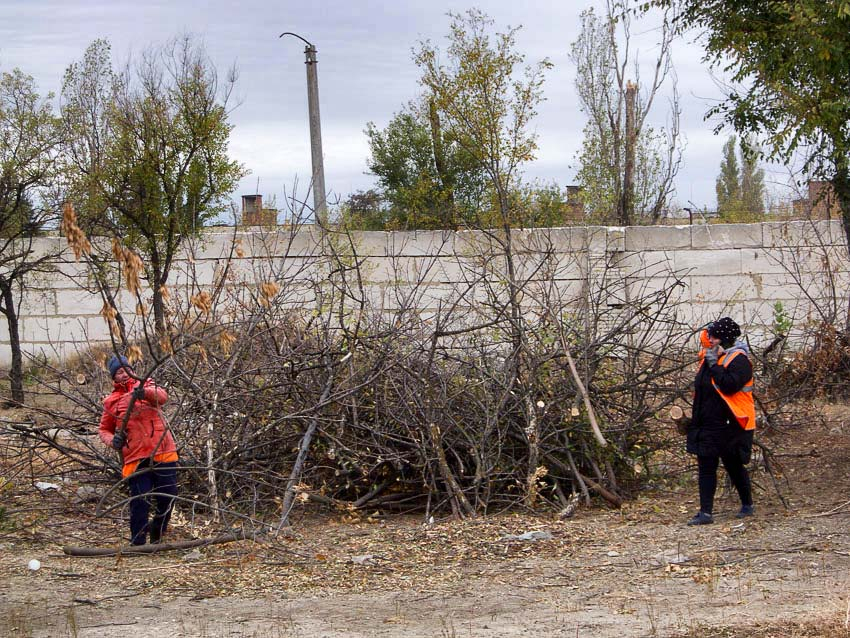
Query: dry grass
{"x": 829, "y": 627}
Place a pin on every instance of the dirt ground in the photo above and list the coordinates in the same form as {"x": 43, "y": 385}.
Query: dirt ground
{"x": 638, "y": 571}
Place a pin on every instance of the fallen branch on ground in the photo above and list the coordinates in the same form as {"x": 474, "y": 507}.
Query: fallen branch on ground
{"x": 129, "y": 550}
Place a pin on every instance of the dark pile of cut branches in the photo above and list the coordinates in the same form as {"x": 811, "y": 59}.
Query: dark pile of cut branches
{"x": 292, "y": 386}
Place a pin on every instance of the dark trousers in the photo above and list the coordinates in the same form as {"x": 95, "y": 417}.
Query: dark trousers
{"x": 708, "y": 479}
{"x": 157, "y": 482}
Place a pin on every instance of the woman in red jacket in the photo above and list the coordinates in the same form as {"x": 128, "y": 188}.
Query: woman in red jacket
{"x": 147, "y": 448}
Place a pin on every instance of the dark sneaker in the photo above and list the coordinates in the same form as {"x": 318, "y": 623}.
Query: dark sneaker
{"x": 746, "y": 510}
{"x": 701, "y": 519}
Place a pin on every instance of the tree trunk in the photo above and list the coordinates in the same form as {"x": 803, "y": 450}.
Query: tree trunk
{"x": 16, "y": 372}
{"x": 841, "y": 186}
{"x": 519, "y": 342}
{"x": 440, "y": 163}
{"x": 627, "y": 198}
{"x": 158, "y": 311}
{"x": 162, "y": 343}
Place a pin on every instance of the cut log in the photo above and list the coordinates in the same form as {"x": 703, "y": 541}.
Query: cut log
{"x": 681, "y": 418}
{"x": 130, "y": 550}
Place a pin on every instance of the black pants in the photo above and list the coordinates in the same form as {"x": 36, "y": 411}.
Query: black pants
{"x": 708, "y": 479}
{"x": 157, "y": 481}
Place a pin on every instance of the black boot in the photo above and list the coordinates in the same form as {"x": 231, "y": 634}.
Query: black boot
{"x": 701, "y": 518}
{"x": 746, "y": 510}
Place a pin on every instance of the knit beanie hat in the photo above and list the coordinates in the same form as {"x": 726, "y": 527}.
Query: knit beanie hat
{"x": 724, "y": 329}
{"x": 115, "y": 363}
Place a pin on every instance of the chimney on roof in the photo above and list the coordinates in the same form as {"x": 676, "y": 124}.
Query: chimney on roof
{"x": 253, "y": 213}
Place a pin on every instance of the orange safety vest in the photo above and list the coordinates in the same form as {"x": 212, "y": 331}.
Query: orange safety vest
{"x": 741, "y": 403}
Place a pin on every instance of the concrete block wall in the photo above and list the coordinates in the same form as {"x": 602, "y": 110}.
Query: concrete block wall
{"x": 737, "y": 269}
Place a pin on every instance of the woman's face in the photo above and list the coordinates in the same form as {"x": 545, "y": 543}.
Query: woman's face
{"x": 714, "y": 341}
{"x": 121, "y": 376}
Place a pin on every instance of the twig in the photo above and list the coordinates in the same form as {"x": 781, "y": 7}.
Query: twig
{"x": 766, "y": 454}
{"x": 607, "y": 494}
{"x": 297, "y": 467}
{"x": 829, "y": 512}
{"x": 591, "y": 415}
{"x": 108, "y": 624}
{"x": 363, "y": 500}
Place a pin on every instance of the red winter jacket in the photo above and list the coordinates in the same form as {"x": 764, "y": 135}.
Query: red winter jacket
{"x": 146, "y": 431}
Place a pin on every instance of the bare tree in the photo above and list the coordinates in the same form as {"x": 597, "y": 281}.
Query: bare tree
{"x": 626, "y": 167}
{"x": 29, "y": 141}
{"x": 148, "y": 149}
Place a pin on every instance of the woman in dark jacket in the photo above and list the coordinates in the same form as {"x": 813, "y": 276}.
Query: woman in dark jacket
{"x": 717, "y": 433}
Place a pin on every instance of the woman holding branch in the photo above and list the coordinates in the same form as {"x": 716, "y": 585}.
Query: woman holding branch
{"x": 723, "y": 416}
{"x": 132, "y": 423}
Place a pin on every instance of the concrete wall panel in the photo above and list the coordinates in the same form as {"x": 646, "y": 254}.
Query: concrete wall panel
{"x": 37, "y": 303}
{"x": 719, "y": 236}
{"x": 728, "y": 288}
{"x": 737, "y": 269}
{"x": 640, "y": 238}
{"x": 708, "y": 262}
{"x": 800, "y": 233}
{"x": 419, "y": 243}
{"x": 78, "y": 302}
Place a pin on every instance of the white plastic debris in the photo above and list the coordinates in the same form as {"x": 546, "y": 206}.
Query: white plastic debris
{"x": 44, "y": 487}
{"x": 34, "y": 565}
{"x": 362, "y": 560}
{"x": 529, "y": 536}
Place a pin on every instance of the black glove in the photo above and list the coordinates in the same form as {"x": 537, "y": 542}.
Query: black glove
{"x": 711, "y": 356}
{"x": 119, "y": 439}
{"x": 139, "y": 392}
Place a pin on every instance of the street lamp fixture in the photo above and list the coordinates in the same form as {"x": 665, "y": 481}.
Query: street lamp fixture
{"x": 320, "y": 204}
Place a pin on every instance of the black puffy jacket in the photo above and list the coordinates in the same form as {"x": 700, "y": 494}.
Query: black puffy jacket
{"x": 714, "y": 431}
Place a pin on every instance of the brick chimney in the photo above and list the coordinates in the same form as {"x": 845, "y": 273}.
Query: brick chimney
{"x": 253, "y": 213}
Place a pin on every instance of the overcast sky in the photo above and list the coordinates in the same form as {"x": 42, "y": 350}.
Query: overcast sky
{"x": 365, "y": 74}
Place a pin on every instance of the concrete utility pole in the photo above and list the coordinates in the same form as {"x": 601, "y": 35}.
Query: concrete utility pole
{"x": 320, "y": 204}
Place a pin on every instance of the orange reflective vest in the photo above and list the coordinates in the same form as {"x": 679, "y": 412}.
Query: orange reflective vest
{"x": 741, "y": 403}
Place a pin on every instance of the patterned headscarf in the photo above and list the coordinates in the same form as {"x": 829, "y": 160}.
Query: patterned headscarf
{"x": 724, "y": 329}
